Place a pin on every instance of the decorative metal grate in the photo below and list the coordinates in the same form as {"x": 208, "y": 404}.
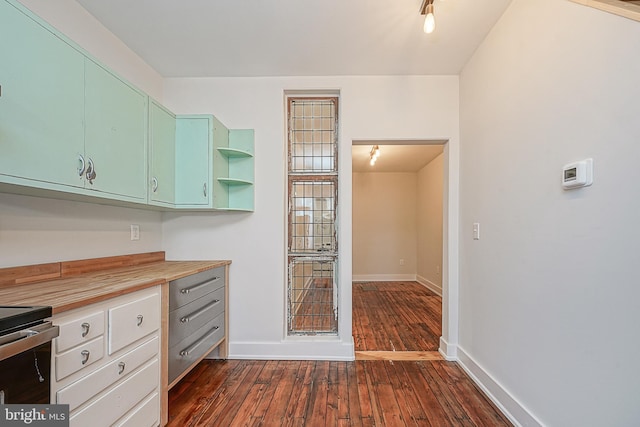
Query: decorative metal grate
{"x": 312, "y": 296}
{"x": 313, "y": 216}
{"x": 312, "y": 244}
{"x": 312, "y": 134}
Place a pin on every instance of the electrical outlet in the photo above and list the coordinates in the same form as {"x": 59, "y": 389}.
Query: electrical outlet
{"x": 401, "y": 261}
{"x": 476, "y": 231}
{"x": 135, "y": 232}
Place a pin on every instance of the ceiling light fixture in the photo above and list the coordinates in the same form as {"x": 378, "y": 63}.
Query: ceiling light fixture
{"x": 374, "y": 154}
{"x": 430, "y": 19}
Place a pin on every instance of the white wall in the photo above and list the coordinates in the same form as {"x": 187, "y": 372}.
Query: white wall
{"x": 385, "y": 226}
{"x": 549, "y": 296}
{"x": 72, "y": 20}
{"x": 34, "y": 230}
{"x": 370, "y": 108}
{"x": 429, "y": 251}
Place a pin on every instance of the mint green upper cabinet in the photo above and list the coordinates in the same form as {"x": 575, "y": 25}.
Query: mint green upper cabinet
{"x": 41, "y": 104}
{"x": 233, "y": 169}
{"x": 162, "y": 145}
{"x": 194, "y": 143}
{"x": 115, "y": 135}
{"x": 214, "y": 165}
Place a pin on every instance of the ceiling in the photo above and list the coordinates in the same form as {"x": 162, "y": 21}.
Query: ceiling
{"x": 222, "y": 38}
{"x": 394, "y": 158}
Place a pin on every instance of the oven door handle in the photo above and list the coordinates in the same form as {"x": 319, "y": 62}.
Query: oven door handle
{"x": 28, "y": 339}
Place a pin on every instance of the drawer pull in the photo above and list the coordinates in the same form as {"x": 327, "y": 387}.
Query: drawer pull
{"x": 140, "y": 319}
{"x": 198, "y": 286}
{"x": 121, "y": 367}
{"x": 196, "y": 344}
{"x": 190, "y": 317}
{"x": 85, "y": 356}
{"x": 85, "y": 329}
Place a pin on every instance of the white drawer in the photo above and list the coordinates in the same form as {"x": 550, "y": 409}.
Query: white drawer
{"x": 146, "y": 414}
{"x": 116, "y": 402}
{"x": 80, "y": 330}
{"x": 132, "y": 321}
{"x": 79, "y": 357}
{"x": 84, "y": 389}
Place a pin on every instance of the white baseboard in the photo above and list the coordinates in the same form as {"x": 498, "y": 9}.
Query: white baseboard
{"x": 298, "y": 348}
{"x": 508, "y": 404}
{"x": 384, "y": 278}
{"x": 429, "y": 285}
{"x": 448, "y": 351}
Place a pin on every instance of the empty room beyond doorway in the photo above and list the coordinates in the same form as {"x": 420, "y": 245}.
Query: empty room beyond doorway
{"x": 398, "y": 250}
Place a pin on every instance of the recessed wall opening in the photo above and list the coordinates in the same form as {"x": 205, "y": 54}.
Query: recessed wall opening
{"x": 312, "y": 248}
{"x": 399, "y": 227}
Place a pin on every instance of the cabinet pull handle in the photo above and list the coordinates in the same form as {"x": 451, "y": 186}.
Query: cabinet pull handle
{"x": 91, "y": 171}
{"x": 121, "y": 367}
{"x": 85, "y": 329}
{"x": 198, "y": 286}
{"x": 204, "y": 189}
{"x": 196, "y": 344}
{"x": 190, "y": 317}
{"x": 85, "y": 356}
{"x": 80, "y": 165}
{"x": 154, "y": 184}
{"x": 140, "y": 319}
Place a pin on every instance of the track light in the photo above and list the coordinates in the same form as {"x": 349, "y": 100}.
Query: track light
{"x": 430, "y": 19}
{"x": 374, "y": 154}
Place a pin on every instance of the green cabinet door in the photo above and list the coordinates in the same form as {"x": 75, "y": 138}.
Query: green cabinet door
{"x": 193, "y": 161}
{"x": 115, "y": 134}
{"x": 41, "y": 103}
{"x": 162, "y": 143}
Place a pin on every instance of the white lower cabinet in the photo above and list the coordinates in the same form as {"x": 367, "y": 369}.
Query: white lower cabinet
{"x": 117, "y": 401}
{"x": 78, "y": 358}
{"x": 143, "y": 415}
{"x": 114, "y": 378}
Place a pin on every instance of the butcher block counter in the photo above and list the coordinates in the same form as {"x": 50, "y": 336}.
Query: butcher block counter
{"x": 69, "y": 287}
{"x": 72, "y": 284}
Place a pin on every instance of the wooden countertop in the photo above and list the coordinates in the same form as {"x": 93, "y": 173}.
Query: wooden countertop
{"x": 79, "y": 290}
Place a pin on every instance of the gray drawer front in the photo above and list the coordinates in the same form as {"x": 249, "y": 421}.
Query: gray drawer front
{"x": 187, "y": 351}
{"x": 187, "y": 319}
{"x": 183, "y": 291}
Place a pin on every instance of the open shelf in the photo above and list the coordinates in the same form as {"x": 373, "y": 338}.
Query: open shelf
{"x": 234, "y": 152}
{"x": 234, "y": 181}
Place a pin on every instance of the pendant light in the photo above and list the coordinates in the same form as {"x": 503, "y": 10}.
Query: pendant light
{"x": 430, "y": 19}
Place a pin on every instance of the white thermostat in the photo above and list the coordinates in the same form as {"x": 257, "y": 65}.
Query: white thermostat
{"x": 578, "y": 174}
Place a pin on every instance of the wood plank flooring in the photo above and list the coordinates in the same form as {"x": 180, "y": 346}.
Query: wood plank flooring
{"x": 320, "y": 393}
{"x": 372, "y": 392}
{"x": 396, "y": 316}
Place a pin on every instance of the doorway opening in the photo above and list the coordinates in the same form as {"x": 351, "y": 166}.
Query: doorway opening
{"x": 398, "y": 247}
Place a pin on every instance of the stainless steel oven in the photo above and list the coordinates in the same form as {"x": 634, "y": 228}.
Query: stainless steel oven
{"x": 25, "y": 354}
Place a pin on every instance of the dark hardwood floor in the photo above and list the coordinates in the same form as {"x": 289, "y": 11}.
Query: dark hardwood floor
{"x": 361, "y": 393}
{"x": 396, "y": 316}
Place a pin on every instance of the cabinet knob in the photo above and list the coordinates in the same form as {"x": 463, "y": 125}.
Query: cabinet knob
{"x": 154, "y": 184}
{"x": 85, "y": 356}
{"x": 121, "y": 367}
{"x": 85, "y": 329}
{"x": 140, "y": 319}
